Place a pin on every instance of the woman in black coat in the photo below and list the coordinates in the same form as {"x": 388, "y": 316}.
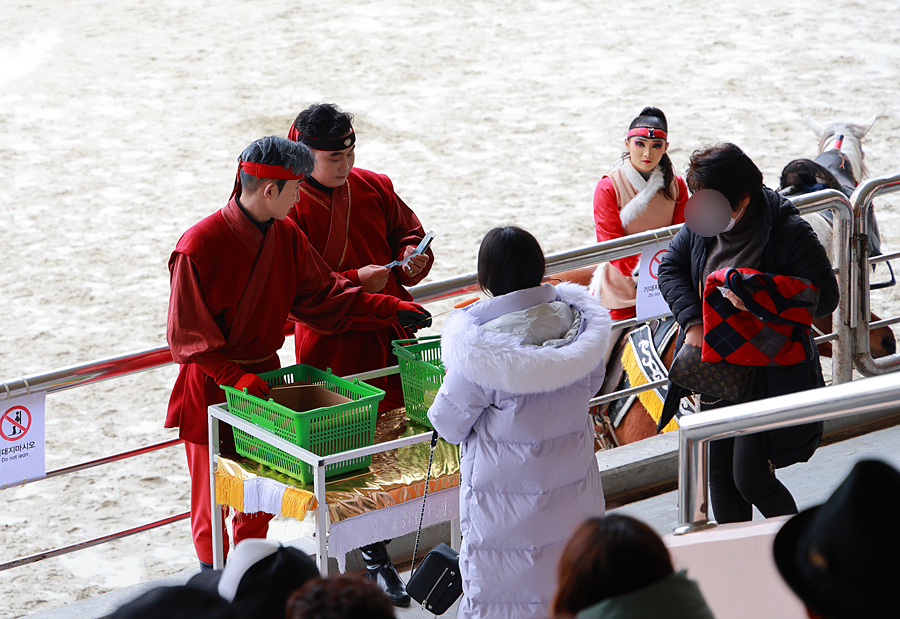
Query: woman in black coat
{"x": 767, "y": 234}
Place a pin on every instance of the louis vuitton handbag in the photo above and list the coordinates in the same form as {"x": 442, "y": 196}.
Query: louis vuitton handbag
{"x": 437, "y": 583}
{"x": 722, "y": 380}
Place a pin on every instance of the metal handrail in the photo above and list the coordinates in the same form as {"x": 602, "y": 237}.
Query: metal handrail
{"x": 859, "y": 292}
{"x": 121, "y": 365}
{"x": 868, "y": 395}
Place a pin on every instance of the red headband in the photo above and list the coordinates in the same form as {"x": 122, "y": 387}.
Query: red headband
{"x": 322, "y": 144}
{"x": 648, "y": 132}
{"x": 263, "y": 170}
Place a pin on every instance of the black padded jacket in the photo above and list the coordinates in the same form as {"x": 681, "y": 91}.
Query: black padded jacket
{"x": 791, "y": 248}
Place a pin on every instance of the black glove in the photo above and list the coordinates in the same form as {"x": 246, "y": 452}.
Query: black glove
{"x": 413, "y": 315}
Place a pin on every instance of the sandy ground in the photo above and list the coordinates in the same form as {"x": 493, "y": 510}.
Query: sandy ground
{"x": 120, "y": 123}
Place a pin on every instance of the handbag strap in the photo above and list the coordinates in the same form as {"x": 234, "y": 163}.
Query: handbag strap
{"x": 434, "y": 438}
{"x": 734, "y": 280}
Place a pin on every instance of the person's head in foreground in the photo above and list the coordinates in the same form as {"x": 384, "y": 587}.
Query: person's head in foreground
{"x": 260, "y": 576}
{"x": 619, "y": 567}
{"x": 269, "y": 173}
{"x": 180, "y": 602}
{"x": 509, "y": 259}
{"x": 347, "y": 596}
{"x": 842, "y": 558}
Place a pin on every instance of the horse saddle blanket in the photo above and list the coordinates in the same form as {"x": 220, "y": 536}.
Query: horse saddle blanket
{"x": 642, "y": 363}
{"x": 773, "y": 330}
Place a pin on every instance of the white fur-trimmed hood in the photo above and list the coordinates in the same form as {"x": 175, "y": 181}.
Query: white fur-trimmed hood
{"x": 500, "y": 361}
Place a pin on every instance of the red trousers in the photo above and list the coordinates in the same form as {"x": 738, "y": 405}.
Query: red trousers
{"x": 245, "y": 526}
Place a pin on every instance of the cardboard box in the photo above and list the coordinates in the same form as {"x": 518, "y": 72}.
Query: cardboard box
{"x": 302, "y": 396}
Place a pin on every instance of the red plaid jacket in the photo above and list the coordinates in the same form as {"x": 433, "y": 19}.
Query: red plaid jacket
{"x": 774, "y": 330}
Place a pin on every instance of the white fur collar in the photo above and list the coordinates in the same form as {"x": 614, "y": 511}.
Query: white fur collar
{"x": 497, "y": 361}
{"x": 646, "y": 190}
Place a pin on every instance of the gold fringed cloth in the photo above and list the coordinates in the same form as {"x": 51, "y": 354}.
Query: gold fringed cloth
{"x": 394, "y": 477}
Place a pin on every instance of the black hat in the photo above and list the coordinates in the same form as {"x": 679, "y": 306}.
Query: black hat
{"x": 842, "y": 558}
{"x": 176, "y": 603}
{"x": 260, "y": 576}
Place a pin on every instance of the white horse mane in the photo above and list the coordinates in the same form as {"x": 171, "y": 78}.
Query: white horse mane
{"x": 852, "y": 146}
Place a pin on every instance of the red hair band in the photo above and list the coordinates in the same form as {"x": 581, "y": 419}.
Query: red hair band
{"x": 648, "y": 132}
{"x": 263, "y": 170}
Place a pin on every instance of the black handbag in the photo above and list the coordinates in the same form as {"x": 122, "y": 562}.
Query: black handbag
{"x": 722, "y": 380}
{"x": 437, "y": 584}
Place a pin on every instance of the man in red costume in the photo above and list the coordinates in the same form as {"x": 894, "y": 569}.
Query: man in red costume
{"x": 235, "y": 277}
{"x": 358, "y": 224}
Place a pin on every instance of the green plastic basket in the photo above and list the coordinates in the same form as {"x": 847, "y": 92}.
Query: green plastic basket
{"x": 323, "y": 431}
{"x": 421, "y": 374}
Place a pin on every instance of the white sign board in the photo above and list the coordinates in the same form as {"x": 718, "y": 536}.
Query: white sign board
{"x": 650, "y": 302}
{"x": 22, "y": 439}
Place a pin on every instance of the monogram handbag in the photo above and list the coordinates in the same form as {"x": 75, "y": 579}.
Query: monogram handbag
{"x": 437, "y": 583}
{"x": 721, "y": 380}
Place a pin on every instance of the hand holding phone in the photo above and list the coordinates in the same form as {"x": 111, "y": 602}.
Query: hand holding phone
{"x": 420, "y": 249}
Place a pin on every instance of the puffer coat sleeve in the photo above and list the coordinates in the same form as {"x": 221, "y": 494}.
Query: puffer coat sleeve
{"x": 810, "y": 261}
{"x": 457, "y": 407}
{"x": 676, "y": 277}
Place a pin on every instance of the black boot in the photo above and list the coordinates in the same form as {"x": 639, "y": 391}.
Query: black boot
{"x": 380, "y": 569}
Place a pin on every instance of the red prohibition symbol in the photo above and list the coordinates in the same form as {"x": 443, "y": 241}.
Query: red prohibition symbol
{"x": 15, "y": 423}
{"x": 655, "y": 262}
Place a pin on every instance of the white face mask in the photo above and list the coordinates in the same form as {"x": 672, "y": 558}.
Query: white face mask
{"x": 733, "y": 220}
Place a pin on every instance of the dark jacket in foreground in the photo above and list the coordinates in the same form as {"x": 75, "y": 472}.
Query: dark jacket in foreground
{"x": 791, "y": 248}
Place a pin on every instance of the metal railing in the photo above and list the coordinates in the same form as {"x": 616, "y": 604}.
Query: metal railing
{"x": 868, "y": 395}
{"x": 862, "y": 203}
{"x": 843, "y": 337}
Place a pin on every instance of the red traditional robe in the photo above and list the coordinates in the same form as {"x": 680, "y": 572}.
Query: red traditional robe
{"x": 232, "y": 290}
{"x": 362, "y": 222}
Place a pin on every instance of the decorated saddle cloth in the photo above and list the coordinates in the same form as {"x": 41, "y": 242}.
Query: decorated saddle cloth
{"x": 774, "y": 330}
{"x": 642, "y": 363}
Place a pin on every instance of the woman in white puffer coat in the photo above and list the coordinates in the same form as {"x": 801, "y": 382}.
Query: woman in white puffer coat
{"x": 521, "y": 369}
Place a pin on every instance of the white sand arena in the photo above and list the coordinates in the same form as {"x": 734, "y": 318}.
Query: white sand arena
{"x": 120, "y": 123}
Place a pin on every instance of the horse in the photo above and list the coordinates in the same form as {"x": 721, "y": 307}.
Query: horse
{"x": 839, "y": 164}
{"x": 635, "y": 422}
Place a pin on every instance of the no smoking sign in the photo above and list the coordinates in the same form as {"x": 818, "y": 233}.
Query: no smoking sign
{"x": 655, "y": 261}
{"x": 15, "y": 423}
{"x": 649, "y": 300}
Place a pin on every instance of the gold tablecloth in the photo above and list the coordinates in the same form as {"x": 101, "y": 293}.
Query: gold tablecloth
{"x": 394, "y": 477}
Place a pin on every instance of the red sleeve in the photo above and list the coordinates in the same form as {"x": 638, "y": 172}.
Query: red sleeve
{"x": 352, "y": 275}
{"x": 329, "y": 303}
{"x": 608, "y": 223}
{"x": 193, "y": 335}
{"x": 404, "y": 230}
{"x": 678, "y": 215}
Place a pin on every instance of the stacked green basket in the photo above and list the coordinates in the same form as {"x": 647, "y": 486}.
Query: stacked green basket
{"x": 421, "y": 374}
{"x": 323, "y": 431}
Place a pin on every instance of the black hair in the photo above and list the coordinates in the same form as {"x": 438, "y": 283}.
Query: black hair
{"x": 509, "y": 259}
{"x": 274, "y": 150}
{"x": 324, "y": 121}
{"x": 608, "y": 557}
{"x": 725, "y": 168}
{"x": 654, "y": 117}
{"x": 345, "y": 596}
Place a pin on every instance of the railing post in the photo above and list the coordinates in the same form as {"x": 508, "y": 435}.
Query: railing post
{"x": 862, "y": 203}
{"x": 870, "y": 395}
{"x": 842, "y": 319}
